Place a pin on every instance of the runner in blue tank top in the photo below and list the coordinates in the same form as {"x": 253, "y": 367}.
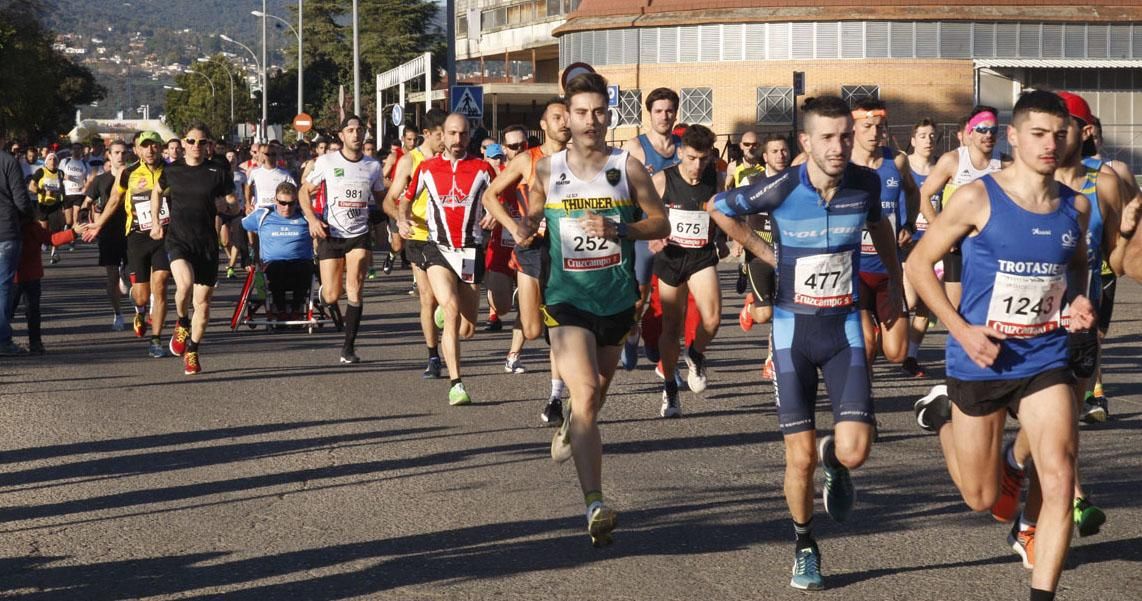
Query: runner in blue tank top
{"x": 1024, "y": 255}
{"x": 818, "y": 211}
{"x": 920, "y": 164}
{"x": 881, "y": 307}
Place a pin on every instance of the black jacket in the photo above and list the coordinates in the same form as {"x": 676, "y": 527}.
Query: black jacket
{"x": 15, "y": 203}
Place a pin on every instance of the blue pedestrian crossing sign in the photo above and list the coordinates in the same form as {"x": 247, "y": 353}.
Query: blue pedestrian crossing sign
{"x": 613, "y": 95}
{"x": 468, "y": 101}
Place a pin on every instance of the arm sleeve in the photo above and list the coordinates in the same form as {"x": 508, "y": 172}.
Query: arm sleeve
{"x": 763, "y": 196}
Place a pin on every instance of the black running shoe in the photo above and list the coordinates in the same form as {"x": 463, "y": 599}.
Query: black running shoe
{"x": 934, "y": 405}
{"x": 348, "y": 355}
{"x": 552, "y": 412}
{"x": 387, "y": 265}
{"x": 743, "y": 280}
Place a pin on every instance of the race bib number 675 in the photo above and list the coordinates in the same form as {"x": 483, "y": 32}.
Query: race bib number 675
{"x": 824, "y": 280}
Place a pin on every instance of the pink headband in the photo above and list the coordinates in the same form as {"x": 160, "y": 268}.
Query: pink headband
{"x": 980, "y": 118}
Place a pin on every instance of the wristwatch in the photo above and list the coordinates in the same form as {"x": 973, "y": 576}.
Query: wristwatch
{"x": 621, "y": 230}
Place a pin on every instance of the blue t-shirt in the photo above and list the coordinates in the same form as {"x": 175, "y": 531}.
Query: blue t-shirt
{"x": 280, "y": 238}
{"x": 817, "y": 243}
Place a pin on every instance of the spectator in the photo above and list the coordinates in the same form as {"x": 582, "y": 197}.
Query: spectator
{"x": 15, "y": 207}
{"x": 286, "y": 248}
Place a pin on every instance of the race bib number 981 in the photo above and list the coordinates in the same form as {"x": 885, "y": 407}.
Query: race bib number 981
{"x": 824, "y": 280}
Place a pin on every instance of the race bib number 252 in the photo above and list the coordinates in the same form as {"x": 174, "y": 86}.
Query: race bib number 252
{"x": 582, "y": 252}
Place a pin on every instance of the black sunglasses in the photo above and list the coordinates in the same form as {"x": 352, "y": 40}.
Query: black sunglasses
{"x": 286, "y": 203}
{"x": 516, "y": 146}
{"x": 199, "y": 142}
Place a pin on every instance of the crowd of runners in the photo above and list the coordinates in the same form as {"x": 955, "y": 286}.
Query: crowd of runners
{"x": 850, "y": 248}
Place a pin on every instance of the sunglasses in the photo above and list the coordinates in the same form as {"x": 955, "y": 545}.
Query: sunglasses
{"x": 747, "y": 144}
{"x": 983, "y": 129}
{"x": 516, "y": 146}
{"x": 286, "y": 203}
{"x": 199, "y": 142}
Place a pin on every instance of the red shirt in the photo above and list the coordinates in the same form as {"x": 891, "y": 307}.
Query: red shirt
{"x": 454, "y": 188}
{"x": 31, "y": 266}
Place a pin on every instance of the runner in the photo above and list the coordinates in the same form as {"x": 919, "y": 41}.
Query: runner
{"x": 261, "y": 184}
{"x": 389, "y": 167}
{"x": 530, "y": 258}
{"x": 47, "y": 184}
{"x": 173, "y": 152}
{"x": 591, "y": 196}
{"x": 687, "y": 262}
{"x": 969, "y": 162}
{"x": 352, "y": 184}
{"x": 760, "y": 275}
{"x": 113, "y": 242}
{"x": 147, "y": 264}
{"x": 1024, "y": 255}
{"x": 924, "y": 140}
{"x": 77, "y": 175}
{"x": 196, "y": 190}
{"x": 818, "y": 211}
{"x": 880, "y": 307}
{"x": 230, "y": 232}
{"x": 453, "y": 259}
{"x": 432, "y": 128}
{"x": 657, "y": 149}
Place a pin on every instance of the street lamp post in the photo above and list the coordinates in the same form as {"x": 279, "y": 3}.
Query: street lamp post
{"x": 265, "y": 80}
{"x": 261, "y": 72}
{"x": 212, "y": 90}
{"x": 357, "y": 66}
{"x": 230, "y": 75}
{"x": 297, "y": 34}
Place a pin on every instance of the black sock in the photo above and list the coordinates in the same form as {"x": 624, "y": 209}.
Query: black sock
{"x": 433, "y": 352}
{"x": 671, "y": 385}
{"x": 184, "y": 322}
{"x": 192, "y": 346}
{"x": 156, "y": 340}
{"x": 352, "y": 323}
{"x": 804, "y": 534}
{"x": 1038, "y": 595}
{"x": 454, "y": 382}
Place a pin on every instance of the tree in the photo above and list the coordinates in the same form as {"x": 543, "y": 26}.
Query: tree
{"x": 41, "y": 86}
{"x": 192, "y": 99}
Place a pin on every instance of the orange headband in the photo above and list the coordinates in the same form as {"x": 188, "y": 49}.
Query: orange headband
{"x": 863, "y": 114}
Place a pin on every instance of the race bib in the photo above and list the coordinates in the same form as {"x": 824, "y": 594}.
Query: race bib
{"x": 350, "y": 194}
{"x": 462, "y": 261}
{"x": 824, "y": 280}
{"x": 51, "y": 191}
{"x": 866, "y": 245}
{"x": 689, "y": 229}
{"x": 586, "y": 253}
{"x": 1024, "y": 306}
{"x": 145, "y": 216}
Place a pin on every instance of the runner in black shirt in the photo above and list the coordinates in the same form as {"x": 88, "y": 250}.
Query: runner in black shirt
{"x": 197, "y": 190}
{"x": 113, "y": 242}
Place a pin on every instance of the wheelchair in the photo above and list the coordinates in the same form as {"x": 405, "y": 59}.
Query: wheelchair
{"x": 253, "y": 307}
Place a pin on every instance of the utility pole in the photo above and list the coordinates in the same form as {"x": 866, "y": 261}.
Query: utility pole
{"x": 265, "y": 80}
{"x": 356, "y": 65}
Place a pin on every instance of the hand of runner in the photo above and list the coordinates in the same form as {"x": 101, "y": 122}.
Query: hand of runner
{"x": 736, "y": 249}
{"x": 90, "y": 233}
{"x": 904, "y": 237}
{"x": 598, "y": 226}
{"x": 522, "y": 234}
{"x": 1082, "y": 314}
{"x": 488, "y": 221}
{"x": 896, "y": 298}
{"x": 404, "y": 228}
{"x": 80, "y": 228}
{"x": 656, "y": 246}
{"x": 1129, "y": 221}
{"x": 981, "y": 344}
{"x": 157, "y": 232}
{"x": 317, "y": 229}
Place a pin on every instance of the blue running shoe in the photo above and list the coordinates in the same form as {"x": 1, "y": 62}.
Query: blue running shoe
{"x": 839, "y": 494}
{"x": 630, "y": 352}
{"x": 807, "y": 570}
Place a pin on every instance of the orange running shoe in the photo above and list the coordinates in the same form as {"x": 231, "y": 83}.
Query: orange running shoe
{"x": 1006, "y": 507}
{"x": 1023, "y": 543}
{"x": 745, "y": 318}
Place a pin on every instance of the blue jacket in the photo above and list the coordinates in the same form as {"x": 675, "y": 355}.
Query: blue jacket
{"x": 280, "y": 238}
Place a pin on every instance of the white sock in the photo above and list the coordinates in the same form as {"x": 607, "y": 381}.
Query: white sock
{"x": 557, "y": 389}
{"x": 913, "y": 349}
{"x": 1025, "y": 525}
{"x": 591, "y": 508}
{"x": 1011, "y": 458}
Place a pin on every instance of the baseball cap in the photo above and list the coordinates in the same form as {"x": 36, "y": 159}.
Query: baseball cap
{"x": 494, "y": 151}
{"x": 1077, "y": 107}
{"x": 150, "y": 136}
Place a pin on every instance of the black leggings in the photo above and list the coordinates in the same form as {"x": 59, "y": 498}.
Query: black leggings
{"x": 30, "y": 292}
{"x": 293, "y": 276}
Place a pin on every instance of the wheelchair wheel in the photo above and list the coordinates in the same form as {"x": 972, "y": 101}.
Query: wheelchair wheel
{"x": 240, "y": 309}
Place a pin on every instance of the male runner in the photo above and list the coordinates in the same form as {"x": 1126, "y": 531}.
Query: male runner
{"x": 113, "y": 242}
{"x": 147, "y": 264}
{"x": 389, "y": 167}
{"x": 530, "y": 257}
{"x": 923, "y": 142}
{"x": 958, "y": 167}
{"x": 1024, "y": 255}
{"x": 818, "y": 211}
{"x": 76, "y": 176}
{"x": 197, "y": 190}
{"x": 352, "y": 183}
{"x": 46, "y": 186}
{"x": 687, "y": 264}
{"x": 657, "y": 149}
{"x": 173, "y": 152}
{"x": 880, "y": 308}
{"x": 591, "y": 196}
{"x": 453, "y": 259}
{"x": 760, "y": 275}
{"x": 263, "y": 180}
{"x": 432, "y": 128}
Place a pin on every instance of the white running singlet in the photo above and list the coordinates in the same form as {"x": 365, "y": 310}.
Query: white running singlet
{"x": 351, "y": 187}
{"x": 265, "y": 183}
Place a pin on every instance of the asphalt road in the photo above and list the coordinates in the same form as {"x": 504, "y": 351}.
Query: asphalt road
{"x": 277, "y": 474}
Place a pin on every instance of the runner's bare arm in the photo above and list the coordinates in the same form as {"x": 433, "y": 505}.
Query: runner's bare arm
{"x": 911, "y": 198}
{"x": 1112, "y": 199}
{"x": 655, "y": 225}
{"x": 156, "y": 211}
{"x": 537, "y": 199}
{"x": 1078, "y": 273}
{"x": 390, "y": 205}
{"x": 1132, "y": 261}
{"x": 304, "y": 195}
{"x": 940, "y": 175}
{"x": 504, "y": 182}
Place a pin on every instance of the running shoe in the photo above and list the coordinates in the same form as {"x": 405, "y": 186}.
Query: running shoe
{"x": 743, "y": 280}
{"x": 552, "y": 414}
{"x": 1023, "y": 543}
{"x": 839, "y": 493}
{"x": 912, "y": 368}
{"x": 695, "y": 370}
{"x": 629, "y": 359}
{"x": 933, "y": 405}
{"x": 458, "y": 396}
{"x": 178, "y": 340}
{"x": 11, "y": 349}
{"x": 767, "y": 371}
{"x": 140, "y": 325}
{"x": 432, "y": 371}
{"x": 601, "y": 521}
{"x": 494, "y": 325}
{"x": 677, "y": 375}
{"x": 671, "y": 407}
{"x": 36, "y": 348}
{"x": 230, "y": 272}
{"x": 190, "y": 364}
{"x": 156, "y": 350}
{"x": 372, "y": 274}
{"x": 652, "y": 353}
{"x": 413, "y": 291}
{"x": 438, "y": 317}
{"x": 1006, "y": 507}
{"x": 54, "y": 257}
{"x": 745, "y": 318}
{"x": 387, "y": 264}
{"x": 1088, "y": 518}
{"x": 1093, "y": 411}
{"x": 807, "y": 570}
{"x": 514, "y": 366}
{"x": 349, "y": 355}
{"x": 117, "y": 324}
{"x": 561, "y": 442}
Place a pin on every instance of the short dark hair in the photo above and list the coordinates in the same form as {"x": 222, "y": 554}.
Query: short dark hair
{"x": 826, "y": 106}
{"x": 586, "y": 83}
{"x": 433, "y": 119}
{"x": 348, "y": 118}
{"x": 118, "y": 142}
{"x": 870, "y": 103}
{"x": 699, "y": 137}
{"x": 199, "y": 126}
{"x": 1039, "y": 101}
{"x": 661, "y": 94}
{"x": 773, "y": 137}
{"x": 286, "y": 188}
{"x": 925, "y": 122}
{"x": 509, "y": 129}
{"x": 552, "y": 102}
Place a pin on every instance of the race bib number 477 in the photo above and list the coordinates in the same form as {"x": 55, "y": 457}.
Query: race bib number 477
{"x": 824, "y": 280}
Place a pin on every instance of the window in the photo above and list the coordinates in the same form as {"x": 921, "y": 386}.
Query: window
{"x": 697, "y": 106}
{"x": 854, "y": 94}
{"x": 630, "y": 107}
{"x": 775, "y": 105}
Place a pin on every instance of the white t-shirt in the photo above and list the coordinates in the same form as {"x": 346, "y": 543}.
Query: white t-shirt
{"x": 75, "y": 172}
{"x": 240, "y": 186}
{"x": 351, "y": 187}
{"x": 265, "y": 183}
